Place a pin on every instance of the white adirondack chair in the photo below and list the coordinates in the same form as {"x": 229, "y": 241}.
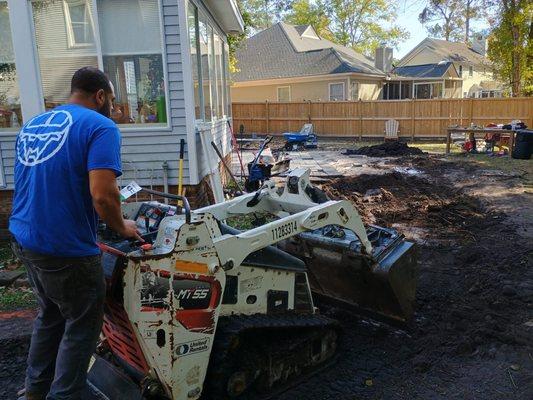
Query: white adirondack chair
{"x": 391, "y": 129}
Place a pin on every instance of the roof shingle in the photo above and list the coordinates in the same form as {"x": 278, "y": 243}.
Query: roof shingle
{"x": 282, "y": 52}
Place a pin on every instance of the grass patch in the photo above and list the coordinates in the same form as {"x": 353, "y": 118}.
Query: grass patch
{"x": 523, "y": 168}
{"x": 12, "y": 299}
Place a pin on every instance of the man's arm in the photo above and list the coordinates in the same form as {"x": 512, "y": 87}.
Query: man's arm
{"x": 106, "y": 201}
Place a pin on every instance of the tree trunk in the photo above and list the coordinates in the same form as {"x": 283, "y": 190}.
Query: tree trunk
{"x": 467, "y": 21}
{"x": 515, "y": 62}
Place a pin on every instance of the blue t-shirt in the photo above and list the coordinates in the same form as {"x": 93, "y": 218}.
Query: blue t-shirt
{"x": 53, "y": 211}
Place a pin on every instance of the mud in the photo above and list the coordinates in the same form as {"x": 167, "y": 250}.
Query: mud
{"x": 386, "y": 149}
{"x": 472, "y": 335}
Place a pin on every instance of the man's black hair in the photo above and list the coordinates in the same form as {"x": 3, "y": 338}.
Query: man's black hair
{"x": 89, "y": 80}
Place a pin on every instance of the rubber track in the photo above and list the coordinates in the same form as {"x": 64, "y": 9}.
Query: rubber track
{"x": 230, "y": 328}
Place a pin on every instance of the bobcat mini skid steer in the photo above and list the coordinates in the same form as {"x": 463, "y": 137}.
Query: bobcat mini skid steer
{"x": 202, "y": 310}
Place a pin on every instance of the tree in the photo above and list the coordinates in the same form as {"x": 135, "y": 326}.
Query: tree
{"x": 364, "y": 24}
{"x": 443, "y": 18}
{"x": 306, "y": 13}
{"x": 511, "y": 44}
{"x": 263, "y": 13}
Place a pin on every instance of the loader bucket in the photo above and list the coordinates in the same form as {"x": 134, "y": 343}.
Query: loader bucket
{"x": 382, "y": 285}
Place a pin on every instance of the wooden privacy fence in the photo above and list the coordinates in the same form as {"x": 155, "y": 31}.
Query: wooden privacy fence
{"x": 417, "y": 118}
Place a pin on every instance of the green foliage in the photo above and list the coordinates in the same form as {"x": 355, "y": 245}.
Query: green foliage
{"x": 306, "y": 13}
{"x": 511, "y": 45}
{"x": 16, "y": 299}
{"x": 450, "y": 19}
{"x": 364, "y": 24}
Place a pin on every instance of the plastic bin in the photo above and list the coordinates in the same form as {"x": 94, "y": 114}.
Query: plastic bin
{"x": 523, "y": 145}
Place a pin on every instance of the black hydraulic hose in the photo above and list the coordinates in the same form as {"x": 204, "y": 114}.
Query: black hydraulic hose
{"x": 183, "y": 200}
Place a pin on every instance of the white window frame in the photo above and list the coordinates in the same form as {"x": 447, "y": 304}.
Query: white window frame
{"x": 68, "y": 22}
{"x": 214, "y": 93}
{"x": 98, "y": 49}
{"x": 283, "y": 87}
{"x": 471, "y": 71}
{"x": 343, "y": 90}
{"x": 460, "y": 71}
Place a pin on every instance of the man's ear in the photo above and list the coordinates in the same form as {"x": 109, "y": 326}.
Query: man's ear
{"x": 100, "y": 98}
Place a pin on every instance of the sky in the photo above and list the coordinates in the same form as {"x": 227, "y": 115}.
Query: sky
{"x": 408, "y": 11}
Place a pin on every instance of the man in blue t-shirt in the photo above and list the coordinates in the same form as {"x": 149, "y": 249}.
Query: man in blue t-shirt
{"x": 67, "y": 161}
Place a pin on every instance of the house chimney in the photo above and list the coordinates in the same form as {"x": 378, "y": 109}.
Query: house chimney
{"x": 479, "y": 44}
{"x": 383, "y": 59}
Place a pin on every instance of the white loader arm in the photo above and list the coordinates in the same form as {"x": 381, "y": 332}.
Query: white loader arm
{"x": 298, "y": 208}
{"x": 233, "y": 249}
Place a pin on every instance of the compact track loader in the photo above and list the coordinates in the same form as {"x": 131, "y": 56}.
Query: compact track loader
{"x": 202, "y": 310}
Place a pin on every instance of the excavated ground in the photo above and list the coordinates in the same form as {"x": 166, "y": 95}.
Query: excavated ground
{"x": 472, "y": 337}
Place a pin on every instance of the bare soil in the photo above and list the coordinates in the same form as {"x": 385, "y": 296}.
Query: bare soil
{"x": 472, "y": 336}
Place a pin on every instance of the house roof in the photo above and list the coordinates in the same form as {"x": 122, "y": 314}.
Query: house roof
{"x": 424, "y": 71}
{"x": 451, "y": 51}
{"x": 285, "y": 51}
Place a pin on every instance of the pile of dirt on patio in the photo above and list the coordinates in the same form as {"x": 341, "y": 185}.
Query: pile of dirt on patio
{"x": 387, "y": 149}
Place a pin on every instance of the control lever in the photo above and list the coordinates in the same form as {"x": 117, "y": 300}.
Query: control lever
{"x": 147, "y": 223}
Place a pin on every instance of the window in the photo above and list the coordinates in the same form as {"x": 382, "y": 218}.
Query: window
{"x": 354, "y": 91}
{"x": 10, "y": 113}
{"x": 205, "y": 32}
{"x": 210, "y": 69}
{"x": 218, "y": 51}
{"x": 192, "y": 17}
{"x": 470, "y": 71}
{"x": 284, "y": 93}
{"x": 79, "y": 23}
{"x": 460, "y": 70}
{"x": 135, "y": 65}
{"x": 128, "y": 48}
{"x": 336, "y": 91}
{"x": 227, "y": 79}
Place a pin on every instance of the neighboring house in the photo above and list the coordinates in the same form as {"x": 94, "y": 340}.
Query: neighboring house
{"x": 157, "y": 53}
{"x": 427, "y": 81}
{"x": 469, "y": 61}
{"x": 292, "y": 63}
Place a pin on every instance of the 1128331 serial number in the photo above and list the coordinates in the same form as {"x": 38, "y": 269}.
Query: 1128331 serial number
{"x": 284, "y": 230}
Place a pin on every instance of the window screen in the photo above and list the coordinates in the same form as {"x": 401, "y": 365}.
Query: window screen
{"x": 336, "y": 91}
{"x": 284, "y": 93}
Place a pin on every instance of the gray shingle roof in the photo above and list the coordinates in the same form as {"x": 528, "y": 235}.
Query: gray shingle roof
{"x": 281, "y": 52}
{"x": 451, "y": 51}
{"x": 423, "y": 71}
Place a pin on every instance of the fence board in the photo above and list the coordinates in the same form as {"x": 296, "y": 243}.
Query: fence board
{"x": 417, "y": 118}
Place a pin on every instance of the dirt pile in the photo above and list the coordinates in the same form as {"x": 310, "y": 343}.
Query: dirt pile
{"x": 396, "y": 198}
{"x": 387, "y": 149}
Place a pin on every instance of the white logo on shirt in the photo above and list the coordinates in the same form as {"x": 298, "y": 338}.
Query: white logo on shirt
{"x": 43, "y": 136}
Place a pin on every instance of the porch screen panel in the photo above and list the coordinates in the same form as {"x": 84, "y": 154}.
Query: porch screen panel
{"x": 64, "y": 35}
{"x": 132, "y": 54}
{"x": 205, "y": 34}
{"x": 10, "y": 115}
{"x": 219, "y": 67}
{"x": 192, "y": 24}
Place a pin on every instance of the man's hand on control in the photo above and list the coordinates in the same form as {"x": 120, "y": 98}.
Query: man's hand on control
{"x": 130, "y": 231}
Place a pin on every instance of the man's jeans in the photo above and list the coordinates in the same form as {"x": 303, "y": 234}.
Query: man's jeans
{"x": 70, "y": 293}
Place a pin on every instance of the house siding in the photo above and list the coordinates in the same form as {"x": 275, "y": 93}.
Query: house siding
{"x": 302, "y": 91}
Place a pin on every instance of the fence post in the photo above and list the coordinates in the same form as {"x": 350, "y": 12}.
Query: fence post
{"x": 309, "y": 112}
{"x": 267, "y": 117}
{"x": 360, "y": 119}
{"x": 471, "y": 113}
{"x": 413, "y": 120}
